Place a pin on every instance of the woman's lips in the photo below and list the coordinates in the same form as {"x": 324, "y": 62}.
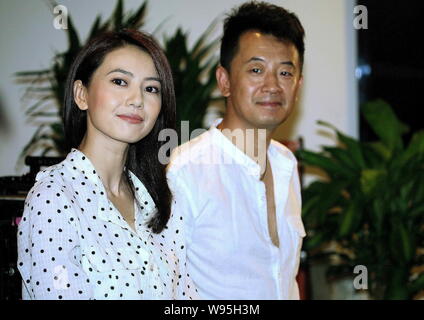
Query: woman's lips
{"x": 131, "y": 118}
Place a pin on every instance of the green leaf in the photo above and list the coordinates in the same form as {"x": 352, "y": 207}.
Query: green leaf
{"x": 136, "y": 21}
{"x": 415, "y": 147}
{"x": 353, "y": 147}
{"x": 384, "y": 122}
{"x": 200, "y": 43}
{"x": 370, "y": 180}
{"x": 381, "y": 149}
{"x": 32, "y": 73}
{"x": 73, "y": 39}
{"x": 315, "y": 241}
{"x": 406, "y": 241}
{"x": 323, "y": 162}
{"x": 377, "y": 216}
{"x": 416, "y": 285}
{"x": 342, "y": 156}
{"x": 118, "y": 15}
{"x": 95, "y": 27}
{"x": 347, "y": 224}
{"x": 401, "y": 244}
{"x": 416, "y": 210}
{"x": 397, "y": 288}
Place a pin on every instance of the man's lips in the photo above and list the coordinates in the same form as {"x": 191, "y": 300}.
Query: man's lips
{"x": 131, "y": 118}
{"x": 269, "y": 103}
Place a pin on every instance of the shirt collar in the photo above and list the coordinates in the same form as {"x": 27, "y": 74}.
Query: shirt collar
{"x": 282, "y": 160}
{"x": 239, "y": 157}
{"x": 78, "y": 161}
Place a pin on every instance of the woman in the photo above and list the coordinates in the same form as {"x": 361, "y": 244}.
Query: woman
{"x": 95, "y": 226}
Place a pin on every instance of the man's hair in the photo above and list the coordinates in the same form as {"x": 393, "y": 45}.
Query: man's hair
{"x": 265, "y": 18}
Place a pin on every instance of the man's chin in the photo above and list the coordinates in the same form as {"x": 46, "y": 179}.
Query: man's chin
{"x": 270, "y": 123}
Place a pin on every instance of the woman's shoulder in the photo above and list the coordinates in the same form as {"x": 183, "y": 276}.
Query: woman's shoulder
{"x": 48, "y": 182}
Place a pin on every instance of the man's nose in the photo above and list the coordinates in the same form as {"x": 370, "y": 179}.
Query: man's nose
{"x": 271, "y": 83}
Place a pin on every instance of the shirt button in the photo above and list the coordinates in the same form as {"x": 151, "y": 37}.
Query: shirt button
{"x": 151, "y": 267}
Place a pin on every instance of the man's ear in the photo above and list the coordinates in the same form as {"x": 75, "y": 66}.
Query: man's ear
{"x": 223, "y": 80}
{"x": 300, "y": 82}
{"x": 80, "y": 95}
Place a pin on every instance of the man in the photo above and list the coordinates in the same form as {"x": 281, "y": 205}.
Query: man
{"x": 240, "y": 197}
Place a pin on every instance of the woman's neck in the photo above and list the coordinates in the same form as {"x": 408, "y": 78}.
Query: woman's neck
{"x": 109, "y": 160}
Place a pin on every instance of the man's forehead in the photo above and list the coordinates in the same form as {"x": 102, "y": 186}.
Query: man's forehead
{"x": 286, "y": 55}
{"x": 256, "y": 41}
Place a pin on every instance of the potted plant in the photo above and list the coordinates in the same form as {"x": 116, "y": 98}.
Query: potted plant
{"x": 369, "y": 211}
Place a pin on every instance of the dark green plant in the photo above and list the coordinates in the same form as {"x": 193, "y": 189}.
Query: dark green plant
{"x": 371, "y": 205}
{"x": 193, "y": 70}
{"x": 194, "y": 76}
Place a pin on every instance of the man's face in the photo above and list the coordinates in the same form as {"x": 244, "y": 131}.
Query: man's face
{"x": 263, "y": 83}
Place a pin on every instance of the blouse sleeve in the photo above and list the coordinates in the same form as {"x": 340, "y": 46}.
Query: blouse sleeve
{"x": 48, "y": 247}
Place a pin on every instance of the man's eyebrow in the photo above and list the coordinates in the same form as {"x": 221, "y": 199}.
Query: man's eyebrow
{"x": 128, "y": 73}
{"x": 289, "y": 63}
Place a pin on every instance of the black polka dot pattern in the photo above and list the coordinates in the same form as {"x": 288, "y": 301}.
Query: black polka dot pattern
{"x": 74, "y": 244}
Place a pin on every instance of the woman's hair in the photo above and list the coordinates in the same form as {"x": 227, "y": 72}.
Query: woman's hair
{"x": 142, "y": 158}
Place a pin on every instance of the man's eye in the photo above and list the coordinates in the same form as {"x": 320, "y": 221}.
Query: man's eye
{"x": 119, "y": 82}
{"x": 286, "y": 74}
{"x": 152, "y": 89}
{"x": 255, "y": 70}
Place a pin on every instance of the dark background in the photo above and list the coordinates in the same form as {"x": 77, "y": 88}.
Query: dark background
{"x": 393, "y": 47}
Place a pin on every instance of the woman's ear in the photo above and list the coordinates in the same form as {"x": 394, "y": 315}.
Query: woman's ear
{"x": 80, "y": 95}
{"x": 223, "y": 80}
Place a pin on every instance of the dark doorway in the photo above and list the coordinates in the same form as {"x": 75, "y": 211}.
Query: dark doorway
{"x": 392, "y": 50}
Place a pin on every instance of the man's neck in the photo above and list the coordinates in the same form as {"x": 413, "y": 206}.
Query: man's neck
{"x": 253, "y": 142}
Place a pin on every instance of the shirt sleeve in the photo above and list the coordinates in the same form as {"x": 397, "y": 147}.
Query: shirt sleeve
{"x": 48, "y": 247}
{"x": 179, "y": 226}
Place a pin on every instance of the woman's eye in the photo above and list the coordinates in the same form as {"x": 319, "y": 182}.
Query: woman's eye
{"x": 255, "y": 70}
{"x": 119, "y": 82}
{"x": 152, "y": 89}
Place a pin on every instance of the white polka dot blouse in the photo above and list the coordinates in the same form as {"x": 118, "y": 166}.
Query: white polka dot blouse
{"x": 74, "y": 244}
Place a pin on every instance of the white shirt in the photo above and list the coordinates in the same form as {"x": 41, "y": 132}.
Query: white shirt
{"x": 74, "y": 244}
{"x": 230, "y": 254}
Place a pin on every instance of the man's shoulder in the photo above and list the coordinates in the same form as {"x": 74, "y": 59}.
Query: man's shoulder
{"x": 191, "y": 152}
{"x": 282, "y": 150}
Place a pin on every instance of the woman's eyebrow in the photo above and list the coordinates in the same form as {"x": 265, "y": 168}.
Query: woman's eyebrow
{"x": 128, "y": 73}
{"x": 122, "y": 71}
{"x": 153, "y": 79}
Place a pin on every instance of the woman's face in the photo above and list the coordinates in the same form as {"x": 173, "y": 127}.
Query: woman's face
{"x": 123, "y": 99}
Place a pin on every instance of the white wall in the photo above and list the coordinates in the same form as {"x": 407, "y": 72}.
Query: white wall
{"x": 28, "y": 41}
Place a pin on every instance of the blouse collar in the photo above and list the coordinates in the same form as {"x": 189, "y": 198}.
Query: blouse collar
{"x": 82, "y": 164}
